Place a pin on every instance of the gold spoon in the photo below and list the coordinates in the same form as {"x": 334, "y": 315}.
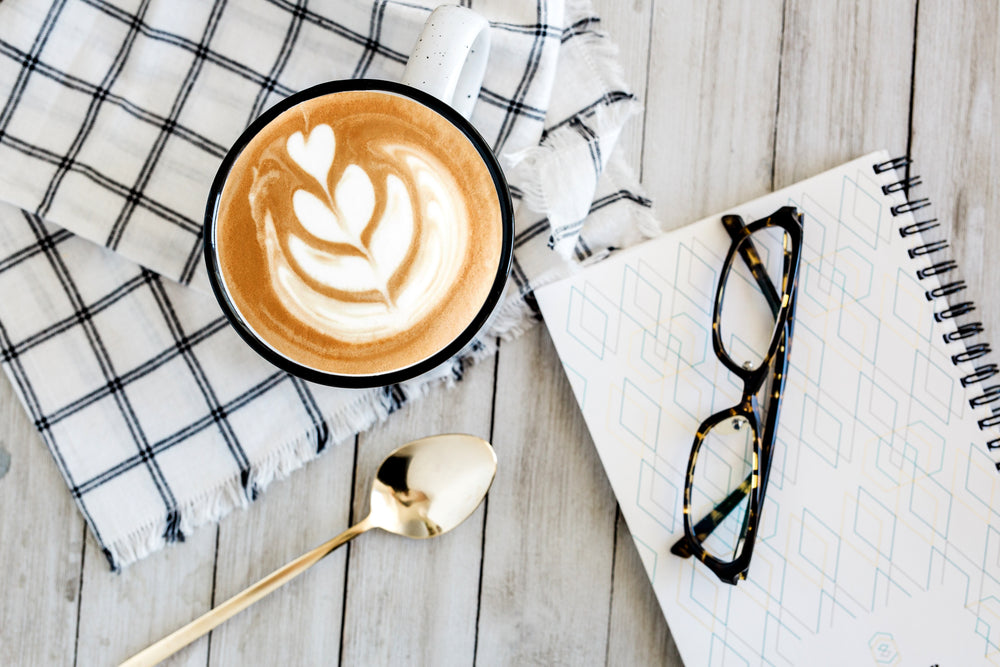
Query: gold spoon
{"x": 423, "y": 489}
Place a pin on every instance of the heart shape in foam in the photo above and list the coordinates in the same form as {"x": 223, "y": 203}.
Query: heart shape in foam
{"x": 345, "y": 223}
{"x": 315, "y": 153}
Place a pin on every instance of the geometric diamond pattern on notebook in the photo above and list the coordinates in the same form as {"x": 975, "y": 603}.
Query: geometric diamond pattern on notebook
{"x": 879, "y": 540}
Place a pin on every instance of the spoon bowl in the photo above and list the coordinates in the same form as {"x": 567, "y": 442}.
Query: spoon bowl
{"x": 429, "y": 486}
{"x": 423, "y": 489}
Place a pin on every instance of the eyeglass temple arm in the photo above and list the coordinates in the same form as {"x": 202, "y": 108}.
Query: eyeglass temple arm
{"x": 734, "y": 225}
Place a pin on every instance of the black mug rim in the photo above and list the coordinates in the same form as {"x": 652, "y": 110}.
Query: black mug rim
{"x": 256, "y": 343}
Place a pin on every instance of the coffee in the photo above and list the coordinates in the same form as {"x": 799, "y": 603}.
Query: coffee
{"x": 359, "y": 232}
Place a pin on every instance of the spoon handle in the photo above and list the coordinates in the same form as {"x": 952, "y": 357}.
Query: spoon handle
{"x": 204, "y": 623}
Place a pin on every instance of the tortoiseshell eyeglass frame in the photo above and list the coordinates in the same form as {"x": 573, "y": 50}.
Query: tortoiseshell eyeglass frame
{"x": 773, "y": 366}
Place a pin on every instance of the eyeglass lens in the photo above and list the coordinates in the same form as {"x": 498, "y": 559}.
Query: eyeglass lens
{"x": 725, "y": 461}
{"x": 746, "y": 315}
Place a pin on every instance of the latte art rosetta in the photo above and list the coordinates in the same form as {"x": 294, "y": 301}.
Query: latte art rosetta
{"x": 357, "y": 260}
{"x": 359, "y": 232}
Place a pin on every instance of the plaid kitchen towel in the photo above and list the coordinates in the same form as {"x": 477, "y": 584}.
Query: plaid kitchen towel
{"x": 114, "y": 116}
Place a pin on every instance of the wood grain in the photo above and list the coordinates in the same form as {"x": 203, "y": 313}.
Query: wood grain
{"x": 551, "y": 507}
{"x": 711, "y": 104}
{"x": 845, "y": 84}
{"x": 956, "y": 111}
{"x": 638, "y": 634}
{"x": 41, "y": 547}
{"x": 120, "y": 614}
{"x": 629, "y": 26}
{"x": 300, "y": 623}
{"x": 414, "y": 602}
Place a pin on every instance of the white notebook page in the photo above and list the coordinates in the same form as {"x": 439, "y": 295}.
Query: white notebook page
{"x": 880, "y": 535}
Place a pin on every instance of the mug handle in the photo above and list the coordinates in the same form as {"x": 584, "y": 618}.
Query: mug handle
{"x": 450, "y": 57}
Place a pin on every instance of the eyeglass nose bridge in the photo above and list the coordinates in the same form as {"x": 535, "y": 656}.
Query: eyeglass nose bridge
{"x": 733, "y": 426}
{"x": 745, "y": 415}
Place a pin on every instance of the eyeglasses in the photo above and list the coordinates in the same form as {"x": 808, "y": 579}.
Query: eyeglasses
{"x": 731, "y": 456}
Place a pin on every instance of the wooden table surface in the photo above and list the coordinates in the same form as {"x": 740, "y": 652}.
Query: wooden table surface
{"x": 740, "y": 98}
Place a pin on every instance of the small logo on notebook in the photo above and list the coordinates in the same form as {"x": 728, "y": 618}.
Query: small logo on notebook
{"x": 883, "y": 648}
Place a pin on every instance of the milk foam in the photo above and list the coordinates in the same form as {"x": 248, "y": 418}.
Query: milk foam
{"x": 357, "y": 276}
{"x": 359, "y": 232}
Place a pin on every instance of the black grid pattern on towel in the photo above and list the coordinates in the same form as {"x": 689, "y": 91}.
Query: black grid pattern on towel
{"x": 175, "y": 216}
{"x": 112, "y": 388}
{"x": 151, "y": 359}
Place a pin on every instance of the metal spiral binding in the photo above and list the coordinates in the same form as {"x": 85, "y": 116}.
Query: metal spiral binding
{"x": 974, "y": 374}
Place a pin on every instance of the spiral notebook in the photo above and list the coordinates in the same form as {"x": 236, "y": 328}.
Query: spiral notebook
{"x": 879, "y": 541}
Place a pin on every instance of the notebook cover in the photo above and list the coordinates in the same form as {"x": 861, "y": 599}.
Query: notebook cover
{"x": 880, "y": 535}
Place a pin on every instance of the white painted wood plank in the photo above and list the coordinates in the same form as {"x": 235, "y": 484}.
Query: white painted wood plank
{"x": 638, "y": 634}
{"x": 956, "y": 147}
{"x": 41, "y": 543}
{"x": 628, "y": 26}
{"x": 122, "y": 613}
{"x": 845, "y": 84}
{"x": 547, "y": 564}
{"x": 414, "y": 602}
{"x": 300, "y": 623}
{"x": 710, "y": 106}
